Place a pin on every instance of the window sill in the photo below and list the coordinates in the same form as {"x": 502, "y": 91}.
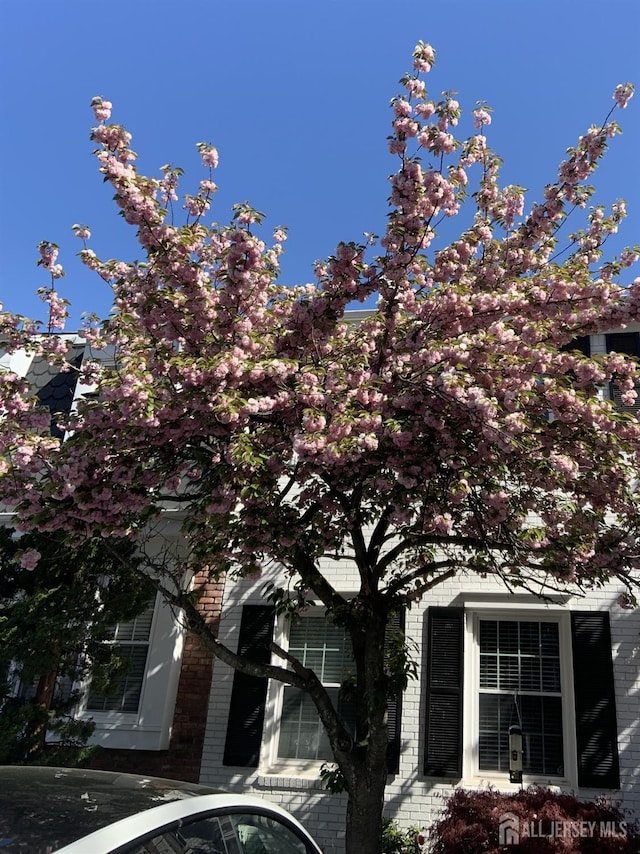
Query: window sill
{"x": 308, "y": 769}
{"x": 290, "y": 774}
{"x": 275, "y": 780}
{"x": 503, "y": 784}
{"x": 110, "y": 719}
{"x": 124, "y": 731}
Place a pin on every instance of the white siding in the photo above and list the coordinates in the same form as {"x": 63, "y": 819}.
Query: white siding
{"x": 411, "y": 798}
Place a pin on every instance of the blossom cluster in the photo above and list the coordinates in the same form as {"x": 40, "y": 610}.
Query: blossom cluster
{"x": 455, "y": 421}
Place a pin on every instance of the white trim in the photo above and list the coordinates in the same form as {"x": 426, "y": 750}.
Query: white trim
{"x": 275, "y": 693}
{"x": 471, "y": 774}
{"x": 516, "y": 602}
{"x": 17, "y": 362}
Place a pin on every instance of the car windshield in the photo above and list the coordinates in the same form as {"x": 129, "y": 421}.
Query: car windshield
{"x": 43, "y": 809}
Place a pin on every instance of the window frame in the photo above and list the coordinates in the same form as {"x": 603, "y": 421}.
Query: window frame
{"x": 150, "y": 727}
{"x": 270, "y": 761}
{"x": 128, "y": 643}
{"x": 473, "y": 614}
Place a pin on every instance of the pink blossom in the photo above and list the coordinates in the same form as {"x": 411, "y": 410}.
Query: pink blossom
{"x": 401, "y": 108}
{"x": 208, "y": 187}
{"x": 29, "y": 559}
{"x": 480, "y": 118}
{"x": 406, "y": 127}
{"x": 415, "y": 87}
{"x": 425, "y": 110}
{"x": 459, "y": 176}
{"x": 623, "y": 94}
{"x": 58, "y": 308}
{"x": 628, "y": 257}
{"x": 397, "y": 146}
{"x": 196, "y": 205}
{"x": 48, "y": 254}
{"x": 443, "y": 142}
{"x": 443, "y": 523}
{"x": 424, "y": 57}
{"x": 209, "y": 155}
{"x": 627, "y": 601}
{"x": 101, "y": 108}
{"x": 81, "y": 231}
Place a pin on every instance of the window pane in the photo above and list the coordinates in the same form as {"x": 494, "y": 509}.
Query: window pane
{"x": 493, "y": 739}
{"x": 508, "y": 637}
{"x": 550, "y": 671}
{"x": 302, "y": 735}
{"x": 132, "y": 638}
{"x": 522, "y": 667}
{"x": 542, "y": 735}
{"x": 137, "y": 629}
{"x": 519, "y": 656}
{"x": 549, "y": 639}
{"x": 530, "y": 674}
{"x": 201, "y": 836}
{"x": 530, "y": 638}
{"x": 489, "y": 636}
{"x": 488, "y": 671}
{"x": 126, "y": 695}
{"x": 325, "y": 648}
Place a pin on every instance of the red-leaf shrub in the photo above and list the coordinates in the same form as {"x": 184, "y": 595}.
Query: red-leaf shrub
{"x": 542, "y": 821}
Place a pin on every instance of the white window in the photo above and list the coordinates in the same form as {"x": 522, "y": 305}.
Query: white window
{"x": 132, "y": 638}
{"x": 519, "y": 672}
{"x": 299, "y": 734}
{"x": 139, "y": 713}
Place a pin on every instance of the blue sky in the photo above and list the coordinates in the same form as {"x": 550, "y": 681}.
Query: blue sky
{"x": 294, "y": 94}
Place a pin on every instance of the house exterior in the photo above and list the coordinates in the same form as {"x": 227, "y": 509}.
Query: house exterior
{"x": 575, "y": 664}
{"x": 566, "y": 670}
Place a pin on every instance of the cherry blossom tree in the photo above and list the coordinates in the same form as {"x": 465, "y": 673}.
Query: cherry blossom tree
{"x": 453, "y": 430}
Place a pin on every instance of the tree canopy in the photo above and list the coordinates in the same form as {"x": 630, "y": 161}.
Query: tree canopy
{"x": 451, "y": 428}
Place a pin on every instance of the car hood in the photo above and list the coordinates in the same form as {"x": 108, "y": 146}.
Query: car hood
{"x": 45, "y": 808}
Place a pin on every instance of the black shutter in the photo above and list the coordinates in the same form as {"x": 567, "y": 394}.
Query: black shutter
{"x": 623, "y": 342}
{"x": 629, "y": 343}
{"x": 394, "y": 707}
{"x": 249, "y": 693}
{"x": 582, "y": 343}
{"x": 443, "y": 731}
{"x": 596, "y": 729}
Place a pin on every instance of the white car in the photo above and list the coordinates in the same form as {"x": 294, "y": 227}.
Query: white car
{"x": 47, "y": 810}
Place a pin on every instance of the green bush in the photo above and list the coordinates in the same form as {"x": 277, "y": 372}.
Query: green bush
{"x": 395, "y": 840}
{"x": 22, "y": 722}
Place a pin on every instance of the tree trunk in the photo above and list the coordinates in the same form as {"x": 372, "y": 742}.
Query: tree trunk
{"x": 367, "y": 772}
{"x": 42, "y": 703}
{"x": 364, "y": 816}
